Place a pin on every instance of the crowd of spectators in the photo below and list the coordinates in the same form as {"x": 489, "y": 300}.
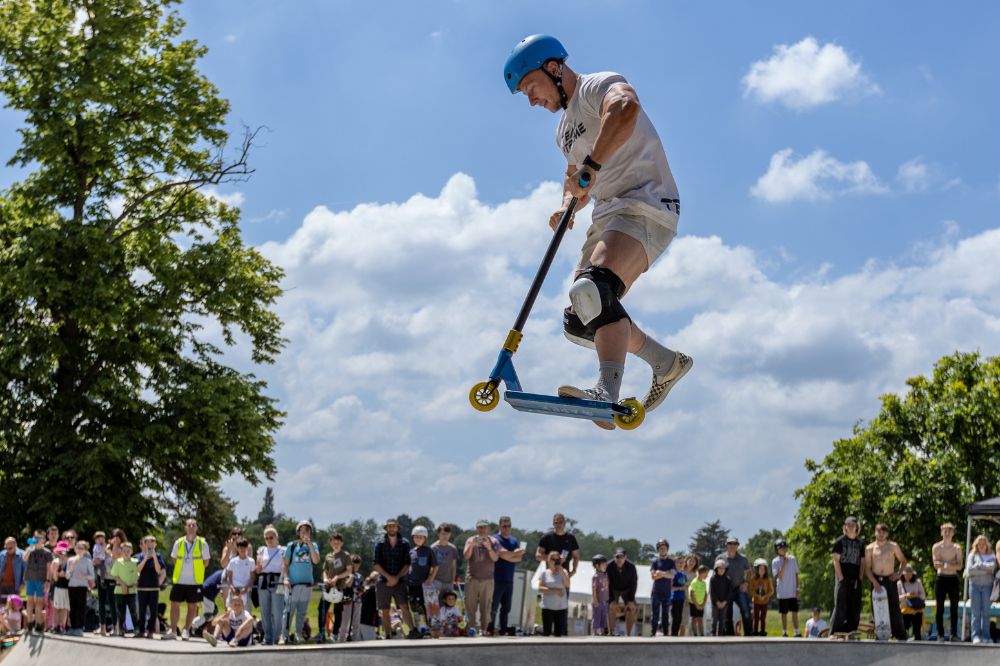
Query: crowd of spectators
{"x": 413, "y": 588}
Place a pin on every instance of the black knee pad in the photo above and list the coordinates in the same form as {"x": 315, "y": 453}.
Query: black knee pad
{"x": 575, "y": 330}
{"x": 601, "y": 299}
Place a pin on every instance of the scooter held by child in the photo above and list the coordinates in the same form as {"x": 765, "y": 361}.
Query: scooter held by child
{"x": 484, "y": 396}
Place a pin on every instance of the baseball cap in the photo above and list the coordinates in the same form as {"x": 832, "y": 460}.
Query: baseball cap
{"x": 390, "y": 521}
{"x": 732, "y": 539}
{"x": 620, "y": 551}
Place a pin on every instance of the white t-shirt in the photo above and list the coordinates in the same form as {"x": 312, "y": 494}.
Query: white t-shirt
{"x": 785, "y": 587}
{"x": 236, "y": 621}
{"x": 271, "y": 558}
{"x": 636, "y": 179}
{"x": 815, "y": 627}
{"x": 241, "y": 568}
{"x": 187, "y": 566}
{"x": 550, "y": 600}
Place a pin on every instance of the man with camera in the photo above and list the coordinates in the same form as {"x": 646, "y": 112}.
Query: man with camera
{"x": 481, "y": 552}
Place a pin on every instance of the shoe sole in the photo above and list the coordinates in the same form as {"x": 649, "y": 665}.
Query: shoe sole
{"x": 573, "y": 392}
{"x": 670, "y": 383}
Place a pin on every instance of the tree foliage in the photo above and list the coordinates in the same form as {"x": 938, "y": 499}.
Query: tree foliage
{"x": 709, "y": 541}
{"x": 917, "y": 464}
{"x": 121, "y": 278}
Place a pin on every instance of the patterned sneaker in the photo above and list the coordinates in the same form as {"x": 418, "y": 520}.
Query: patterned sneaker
{"x": 663, "y": 383}
{"x": 587, "y": 394}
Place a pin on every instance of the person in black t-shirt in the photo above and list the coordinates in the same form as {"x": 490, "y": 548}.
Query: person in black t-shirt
{"x": 848, "y": 563}
{"x": 623, "y": 581}
{"x": 562, "y": 542}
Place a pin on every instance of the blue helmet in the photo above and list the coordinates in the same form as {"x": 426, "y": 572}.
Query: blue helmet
{"x": 530, "y": 54}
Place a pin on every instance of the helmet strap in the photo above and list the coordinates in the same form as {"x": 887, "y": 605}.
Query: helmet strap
{"x": 557, "y": 79}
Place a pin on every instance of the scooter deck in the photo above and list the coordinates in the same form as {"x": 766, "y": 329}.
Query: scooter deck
{"x": 593, "y": 410}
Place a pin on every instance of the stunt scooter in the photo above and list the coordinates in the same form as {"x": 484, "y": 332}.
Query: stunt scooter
{"x": 484, "y": 396}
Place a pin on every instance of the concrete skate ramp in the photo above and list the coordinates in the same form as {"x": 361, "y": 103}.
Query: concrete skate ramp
{"x": 533, "y": 651}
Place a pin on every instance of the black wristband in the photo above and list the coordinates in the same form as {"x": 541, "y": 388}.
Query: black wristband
{"x": 589, "y": 162}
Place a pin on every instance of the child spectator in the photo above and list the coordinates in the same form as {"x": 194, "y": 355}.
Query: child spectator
{"x": 126, "y": 575}
{"x": 368, "y": 628}
{"x": 36, "y": 580}
{"x": 662, "y": 570}
{"x": 80, "y": 574}
{"x": 722, "y": 592}
{"x": 235, "y": 626}
{"x": 697, "y": 596}
{"x": 761, "y": 591}
{"x": 60, "y": 596}
{"x": 422, "y": 571}
{"x": 599, "y": 596}
{"x": 239, "y": 572}
{"x": 354, "y": 590}
{"x": 12, "y": 615}
{"x": 677, "y": 600}
{"x": 451, "y": 617}
{"x": 554, "y": 587}
{"x": 816, "y": 626}
{"x": 152, "y": 572}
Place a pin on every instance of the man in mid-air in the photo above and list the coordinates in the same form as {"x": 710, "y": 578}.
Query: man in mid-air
{"x": 605, "y": 133}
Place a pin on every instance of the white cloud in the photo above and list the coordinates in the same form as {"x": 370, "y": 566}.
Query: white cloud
{"x": 231, "y": 38}
{"x": 806, "y": 75}
{"x": 814, "y": 177}
{"x": 234, "y": 199}
{"x": 436, "y": 34}
{"x": 394, "y": 310}
{"x": 913, "y": 175}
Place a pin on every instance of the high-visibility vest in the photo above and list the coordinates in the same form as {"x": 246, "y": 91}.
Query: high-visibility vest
{"x": 198, "y": 564}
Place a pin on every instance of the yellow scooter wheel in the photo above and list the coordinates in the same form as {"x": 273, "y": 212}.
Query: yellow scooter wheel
{"x": 484, "y": 396}
{"x": 632, "y": 420}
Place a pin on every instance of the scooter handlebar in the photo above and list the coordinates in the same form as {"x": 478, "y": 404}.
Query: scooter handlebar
{"x": 585, "y": 179}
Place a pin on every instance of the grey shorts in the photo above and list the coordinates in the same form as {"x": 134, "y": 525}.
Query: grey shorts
{"x": 654, "y": 236}
{"x": 385, "y": 594}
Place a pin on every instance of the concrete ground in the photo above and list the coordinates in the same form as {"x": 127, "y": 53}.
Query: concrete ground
{"x": 96, "y": 651}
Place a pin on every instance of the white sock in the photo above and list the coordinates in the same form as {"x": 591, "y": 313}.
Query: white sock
{"x": 659, "y": 357}
{"x": 611, "y": 379}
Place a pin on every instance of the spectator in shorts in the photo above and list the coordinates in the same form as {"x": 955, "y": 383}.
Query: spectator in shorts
{"x": 235, "y": 626}
{"x": 423, "y": 569}
{"x": 600, "y": 593}
{"x": 623, "y": 580}
{"x": 12, "y": 567}
{"x": 947, "y": 558}
{"x": 336, "y": 573}
{"x": 481, "y": 552}
{"x": 38, "y": 559}
{"x": 721, "y": 589}
{"x": 152, "y": 575}
{"x": 391, "y": 562}
{"x": 697, "y": 598}
{"x": 446, "y": 554}
{"x": 60, "y": 597}
{"x": 785, "y": 569}
{"x": 239, "y": 573}
{"x": 662, "y": 570}
{"x": 297, "y": 571}
{"x": 848, "y": 565}
{"x": 912, "y": 599}
{"x": 562, "y": 542}
{"x": 80, "y": 574}
{"x": 126, "y": 575}
{"x": 190, "y": 554}
{"x": 510, "y": 553}
{"x": 816, "y": 626}
{"x": 270, "y": 559}
{"x": 553, "y": 585}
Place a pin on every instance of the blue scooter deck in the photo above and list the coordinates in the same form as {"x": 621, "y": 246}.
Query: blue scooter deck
{"x": 593, "y": 410}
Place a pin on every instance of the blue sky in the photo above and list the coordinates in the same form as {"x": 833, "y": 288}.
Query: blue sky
{"x": 839, "y": 175}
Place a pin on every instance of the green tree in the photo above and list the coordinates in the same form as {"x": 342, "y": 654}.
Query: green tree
{"x": 761, "y": 545}
{"x": 115, "y": 405}
{"x": 708, "y": 541}
{"x": 917, "y": 464}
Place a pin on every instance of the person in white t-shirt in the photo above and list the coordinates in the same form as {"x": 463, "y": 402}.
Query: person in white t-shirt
{"x": 816, "y": 626}
{"x": 235, "y": 626}
{"x": 785, "y": 569}
{"x": 239, "y": 573}
{"x": 610, "y": 143}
